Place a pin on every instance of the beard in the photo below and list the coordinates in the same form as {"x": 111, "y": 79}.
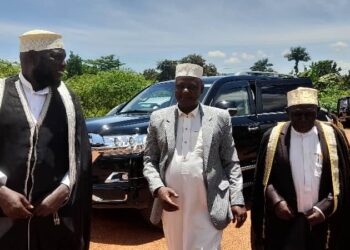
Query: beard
{"x": 44, "y": 78}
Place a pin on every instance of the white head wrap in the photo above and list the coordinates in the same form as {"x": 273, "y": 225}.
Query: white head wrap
{"x": 38, "y": 40}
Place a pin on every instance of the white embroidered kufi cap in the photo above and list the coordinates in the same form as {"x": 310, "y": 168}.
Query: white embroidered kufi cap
{"x": 302, "y": 95}
{"x": 189, "y": 69}
{"x": 38, "y": 40}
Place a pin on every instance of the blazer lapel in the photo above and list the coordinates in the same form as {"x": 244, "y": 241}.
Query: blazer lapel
{"x": 207, "y": 133}
{"x": 170, "y": 131}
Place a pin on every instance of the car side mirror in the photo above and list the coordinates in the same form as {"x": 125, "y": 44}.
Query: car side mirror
{"x": 230, "y": 106}
{"x": 232, "y": 111}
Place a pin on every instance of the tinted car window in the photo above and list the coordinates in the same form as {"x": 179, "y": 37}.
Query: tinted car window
{"x": 237, "y": 96}
{"x": 155, "y": 97}
{"x": 343, "y": 104}
{"x": 274, "y": 97}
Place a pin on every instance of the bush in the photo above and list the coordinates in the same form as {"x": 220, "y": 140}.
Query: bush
{"x": 329, "y": 97}
{"x": 101, "y": 92}
{"x": 8, "y": 69}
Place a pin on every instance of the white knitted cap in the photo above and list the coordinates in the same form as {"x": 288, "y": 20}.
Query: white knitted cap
{"x": 302, "y": 95}
{"x": 189, "y": 69}
{"x": 38, "y": 40}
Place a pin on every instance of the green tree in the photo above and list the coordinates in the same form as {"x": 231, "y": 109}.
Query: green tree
{"x": 100, "y": 92}
{"x": 262, "y": 65}
{"x": 166, "y": 70}
{"x": 210, "y": 70}
{"x": 324, "y": 67}
{"x": 193, "y": 58}
{"x": 346, "y": 79}
{"x": 297, "y": 54}
{"x": 74, "y": 65}
{"x": 8, "y": 68}
{"x": 104, "y": 63}
{"x": 150, "y": 74}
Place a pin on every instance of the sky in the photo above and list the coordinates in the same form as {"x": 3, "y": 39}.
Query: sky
{"x": 232, "y": 34}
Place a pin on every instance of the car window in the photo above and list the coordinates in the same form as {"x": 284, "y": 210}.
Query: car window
{"x": 155, "y": 97}
{"x": 274, "y": 97}
{"x": 343, "y": 104}
{"x": 238, "y": 97}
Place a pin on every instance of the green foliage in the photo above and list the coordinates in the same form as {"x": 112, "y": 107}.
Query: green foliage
{"x": 262, "y": 65}
{"x": 329, "y": 97}
{"x": 8, "y": 69}
{"x": 210, "y": 70}
{"x": 74, "y": 65}
{"x": 167, "y": 70}
{"x": 328, "y": 81}
{"x": 346, "y": 80}
{"x": 104, "y": 63}
{"x": 193, "y": 58}
{"x": 331, "y": 87}
{"x": 102, "y": 91}
{"x": 150, "y": 74}
{"x": 297, "y": 54}
{"x": 321, "y": 68}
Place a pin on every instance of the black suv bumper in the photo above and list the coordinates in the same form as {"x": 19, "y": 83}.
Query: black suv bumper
{"x": 118, "y": 182}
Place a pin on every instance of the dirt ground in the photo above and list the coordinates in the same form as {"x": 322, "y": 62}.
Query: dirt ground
{"x": 125, "y": 230}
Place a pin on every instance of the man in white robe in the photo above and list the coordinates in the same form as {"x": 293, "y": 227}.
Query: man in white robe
{"x": 192, "y": 168}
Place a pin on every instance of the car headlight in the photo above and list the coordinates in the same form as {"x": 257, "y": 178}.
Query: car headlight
{"x": 118, "y": 144}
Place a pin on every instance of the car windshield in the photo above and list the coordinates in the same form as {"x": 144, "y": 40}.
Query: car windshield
{"x": 157, "y": 96}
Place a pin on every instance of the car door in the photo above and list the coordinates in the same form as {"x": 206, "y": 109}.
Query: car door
{"x": 272, "y": 100}
{"x": 240, "y": 98}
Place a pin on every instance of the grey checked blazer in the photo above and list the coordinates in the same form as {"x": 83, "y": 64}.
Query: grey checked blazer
{"x": 222, "y": 173}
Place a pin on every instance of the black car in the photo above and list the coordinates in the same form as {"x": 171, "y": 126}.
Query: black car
{"x": 256, "y": 103}
{"x": 343, "y": 110}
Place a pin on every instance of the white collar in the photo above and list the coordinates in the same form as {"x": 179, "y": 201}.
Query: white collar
{"x": 193, "y": 113}
{"x": 26, "y": 84}
{"x": 312, "y": 131}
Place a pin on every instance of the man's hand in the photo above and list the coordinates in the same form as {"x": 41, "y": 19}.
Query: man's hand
{"x": 283, "y": 211}
{"x": 165, "y": 194}
{"x": 314, "y": 217}
{"x": 52, "y": 202}
{"x": 14, "y": 205}
{"x": 240, "y": 214}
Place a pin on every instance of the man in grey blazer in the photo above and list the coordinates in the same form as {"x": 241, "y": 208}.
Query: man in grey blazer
{"x": 192, "y": 168}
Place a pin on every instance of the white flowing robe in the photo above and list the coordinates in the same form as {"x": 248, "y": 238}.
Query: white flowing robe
{"x": 189, "y": 228}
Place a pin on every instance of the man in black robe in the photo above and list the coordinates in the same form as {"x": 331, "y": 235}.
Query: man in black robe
{"x": 301, "y": 182}
{"x": 45, "y": 158}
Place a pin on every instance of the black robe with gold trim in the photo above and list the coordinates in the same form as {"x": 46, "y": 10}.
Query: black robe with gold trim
{"x": 270, "y": 232}
{"x": 35, "y": 157}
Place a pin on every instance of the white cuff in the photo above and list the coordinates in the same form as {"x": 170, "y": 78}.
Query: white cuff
{"x": 320, "y": 211}
{"x": 3, "y": 179}
{"x": 65, "y": 180}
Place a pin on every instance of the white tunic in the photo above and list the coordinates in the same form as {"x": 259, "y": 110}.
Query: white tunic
{"x": 306, "y": 162}
{"x": 189, "y": 228}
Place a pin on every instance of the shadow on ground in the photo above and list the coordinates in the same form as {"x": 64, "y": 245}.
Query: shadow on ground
{"x": 122, "y": 227}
